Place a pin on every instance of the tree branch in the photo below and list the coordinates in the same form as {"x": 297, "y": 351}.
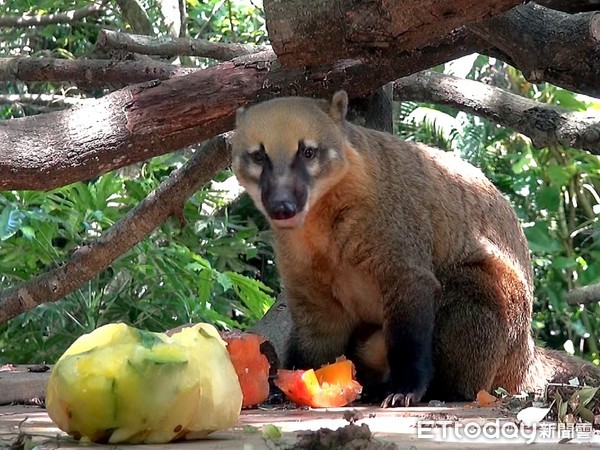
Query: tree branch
{"x": 550, "y": 58}
{"x": 139, "y": 122}
{"x": 139, "y": 222}
{"x": 584, "y": 295}
{"x": 376, "y": 29}
{"x": 135, "y": 43}
{"x": 49, "y": 19}
{"x": 547, "y": 45}
{"x": 544, "y": 124}
{"x": 88, "y": 72}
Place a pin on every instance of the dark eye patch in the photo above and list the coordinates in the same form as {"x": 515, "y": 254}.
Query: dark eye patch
{"x": 258, "y": 156}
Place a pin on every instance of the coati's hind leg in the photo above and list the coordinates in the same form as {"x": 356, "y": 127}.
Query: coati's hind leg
{"x": 472, "y": 331}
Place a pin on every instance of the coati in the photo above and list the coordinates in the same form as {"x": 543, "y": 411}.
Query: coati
{"x": 402, "y": 257}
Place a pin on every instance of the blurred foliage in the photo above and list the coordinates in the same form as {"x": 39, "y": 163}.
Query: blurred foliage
{"x": 218, "y": 266}
{"x": 555, "y": 192}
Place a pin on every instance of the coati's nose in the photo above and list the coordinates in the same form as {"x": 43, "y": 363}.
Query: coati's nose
{"x": 283, "y": 210}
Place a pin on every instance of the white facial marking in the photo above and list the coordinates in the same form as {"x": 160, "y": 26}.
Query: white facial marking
{"x": 310, "y": 143}
{"x": 332, "y": 154}
{"x": 254, "y": 170}
{"x": 254, "y": 148}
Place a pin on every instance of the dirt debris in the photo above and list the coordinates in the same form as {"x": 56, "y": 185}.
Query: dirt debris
{"x": 350, "y": 437}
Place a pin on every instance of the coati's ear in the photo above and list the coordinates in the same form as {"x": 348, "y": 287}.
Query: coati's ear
{"x": 239, "y": 114}
{"x": 339, "y": 106}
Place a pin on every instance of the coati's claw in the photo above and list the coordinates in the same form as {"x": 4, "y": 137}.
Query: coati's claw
{"x": 399, "y": 400}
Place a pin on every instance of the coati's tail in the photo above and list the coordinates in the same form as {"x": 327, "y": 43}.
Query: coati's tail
{"x": 553, "y": 366}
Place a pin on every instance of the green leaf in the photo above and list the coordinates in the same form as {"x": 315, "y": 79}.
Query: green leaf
{"x": 519, "y": 166}
{"x": 539, "y": 238}
{"x": 224, "y": 280}
{"x": 567, "y": 99}
{"x": 271, "y": 431}
{"x": 10, "y": 221}
{"x": 560, "y": 175}
{"x": 28, "y": 232}
{"x": 586, "y": 394}
{"x": 148, "y": 339}
{"x": 562, "y": 262}
{"x": 549, "y": 198}
{"x": 586, "y": 414}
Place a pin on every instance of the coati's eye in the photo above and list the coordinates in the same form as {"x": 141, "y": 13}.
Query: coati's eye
{"x": 258, "y": 156}
{"x": 307, "y": 151}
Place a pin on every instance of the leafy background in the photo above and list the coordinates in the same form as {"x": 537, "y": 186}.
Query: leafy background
{"x": 218, "y": 267}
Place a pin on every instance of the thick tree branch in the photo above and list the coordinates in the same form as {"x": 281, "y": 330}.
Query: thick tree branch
{"x": 547, "y": 45}
{"x": 584, "y": 295}
{"x": 87, "y": 261}
{"x": 377, "y": 29}
{"x": 545, "y": 41}
{"x": 139, "y": 122}
{"x": 536, "y": 40}
{"x": 49, "y": 19}
{"x": 544, "y": 124}
{"x": 88, "y": 72}
{"x": 114, "y": 40}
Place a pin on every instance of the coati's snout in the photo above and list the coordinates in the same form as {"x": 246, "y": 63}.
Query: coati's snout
{"x": 288, "y": 152}
{"x": 284, "y": 191}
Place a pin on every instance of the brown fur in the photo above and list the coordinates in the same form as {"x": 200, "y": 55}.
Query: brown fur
{"x": 408, "y": 259}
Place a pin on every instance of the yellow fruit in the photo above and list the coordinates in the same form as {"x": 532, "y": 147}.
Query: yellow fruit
{"x": 120, "y": 384}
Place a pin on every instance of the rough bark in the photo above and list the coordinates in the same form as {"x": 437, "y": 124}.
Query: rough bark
{"x": 88, "y": 72}
{"x": 135, "y": 43}
{"x": 544, "y": 124}
{"x": 114, "y": 74}
{"x": 87, "y": 261}
{"x": 74, "y": 16}
{"x": 130, "y": 125}
{"x": 378, "y": 29}
{"x": 568, "y": 69}
{"x": 143, "y": 121}
{"x": 276, "y": 325}
{"x": 548, "y": 45}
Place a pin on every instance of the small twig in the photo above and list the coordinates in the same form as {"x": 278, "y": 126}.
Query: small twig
{"x": 50, "y": 19}
{"x": 167, "y": 46}
{"x": 584, "y": 295}
{"x": 214, "y": 10}
{"x": 138, "y": 223}
{"x": 230, "y": 17}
